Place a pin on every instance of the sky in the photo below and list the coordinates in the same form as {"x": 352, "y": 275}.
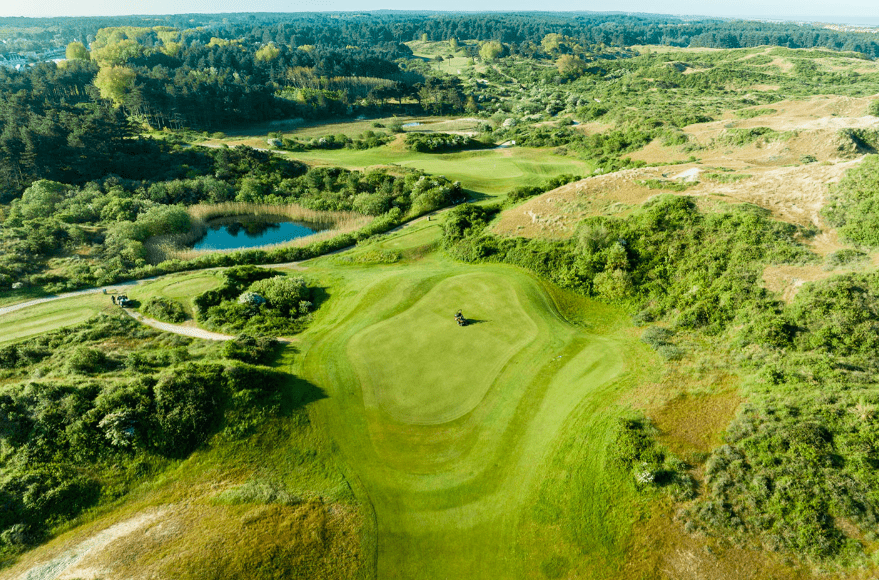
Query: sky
{"x": 842, "y": 11}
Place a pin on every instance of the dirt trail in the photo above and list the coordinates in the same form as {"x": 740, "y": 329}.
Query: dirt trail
{"x": 65, "y": 565}
{"x": 35, "y": 302}
{"x": 192, "y": 331}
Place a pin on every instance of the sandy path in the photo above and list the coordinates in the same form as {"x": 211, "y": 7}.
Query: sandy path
{"x": 61, "y": 566}
{"x": 192, "y": 331}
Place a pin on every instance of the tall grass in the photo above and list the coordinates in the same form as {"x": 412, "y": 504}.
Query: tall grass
{"x": 177, "y": 246}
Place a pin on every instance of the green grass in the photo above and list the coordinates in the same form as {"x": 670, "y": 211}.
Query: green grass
{"x": 179, "y": 287}
{"x": 449, "y": 430}
{"x": 49, "y": 316}
{"x": 22, "y": 295}
{"x": 458, "y": 442}
{"x": 491, "y": 172}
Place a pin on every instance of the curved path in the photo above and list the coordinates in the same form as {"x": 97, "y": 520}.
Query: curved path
{"x": 191, "y": 331}
{"x": 74, "y": 294}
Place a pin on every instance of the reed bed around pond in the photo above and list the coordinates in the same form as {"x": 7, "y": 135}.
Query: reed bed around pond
{"x": 178, "y": 246}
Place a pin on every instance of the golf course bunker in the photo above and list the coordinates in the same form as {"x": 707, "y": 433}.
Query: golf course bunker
{"x": 425, "y": 369}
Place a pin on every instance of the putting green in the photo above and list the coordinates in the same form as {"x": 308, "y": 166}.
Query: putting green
{"x": 447, "y": 430}
{"x": 458, "y": 364}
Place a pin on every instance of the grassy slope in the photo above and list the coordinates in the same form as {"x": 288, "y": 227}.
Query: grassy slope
{"x": 460, "y": 440}
{"x": 447, "y": 427}
{"x": 491, "y": 172}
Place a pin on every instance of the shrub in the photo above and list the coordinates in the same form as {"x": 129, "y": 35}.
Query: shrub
{"x": 164, "y": 309}
{"x": 251, "y": 349}
{"x": 442, "y": 142}
{"x": 845, "y": 257}
{"x": 189, "y": 406}
{"x": 84, "y": 360}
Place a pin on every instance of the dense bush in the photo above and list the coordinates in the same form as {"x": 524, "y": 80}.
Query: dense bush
{"x": 854, "y": 203}
{"x": 635, "y": 452}
{"x": 442, "y": 142}
{"x": 164, "y": 309}
{"x": 668, "y": 257}
{"x": 70, "y": 441}
{"x": 256, "y": 300}
{"x": 524, "y": 192}
{"x": 257, "y": 350}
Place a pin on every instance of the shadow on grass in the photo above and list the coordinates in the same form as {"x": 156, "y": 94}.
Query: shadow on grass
{"x": 471, "y": 321}
{"x": 319, "y": 295}
{"x": 474, "y": 196}
{"x": 299, "y": 393}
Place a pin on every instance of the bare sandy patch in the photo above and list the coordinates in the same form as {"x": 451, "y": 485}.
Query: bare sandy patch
{"x": 787, "y": 280}
{"x": 793, "y": 194}
{"x": 763, "y": 88}
{"x": 69, "y": 564}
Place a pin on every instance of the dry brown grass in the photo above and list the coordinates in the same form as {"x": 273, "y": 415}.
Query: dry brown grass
{"x": 690, "y": 423}
{"x": 175, "y": 246}
{"x": 199, "y": 539}
{"x": 661, "y": 549}
{"x": 555, "y": 214}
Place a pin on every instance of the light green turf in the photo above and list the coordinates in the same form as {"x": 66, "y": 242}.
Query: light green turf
{"x": 50, "y": 316}
{"x": 491, "y": 172}
{"x": 450, "y": 432}
{"x": 180, "y": 287}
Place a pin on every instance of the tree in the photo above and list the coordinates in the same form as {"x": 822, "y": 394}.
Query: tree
{"x": 570, "y": 65}
{"x": 551, "y": 43}
{"x": 116, "y": 83}
{"x": 490, "y": 50}
{"x": 77, "y": 51}
{"x": 267, "y": 53}
{"x": 453, "y": 43}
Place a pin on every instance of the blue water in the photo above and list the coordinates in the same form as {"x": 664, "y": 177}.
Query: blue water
{"x": 239, "y": 234}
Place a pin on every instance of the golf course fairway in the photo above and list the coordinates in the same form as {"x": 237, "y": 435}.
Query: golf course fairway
{"x": 446, "y": 430}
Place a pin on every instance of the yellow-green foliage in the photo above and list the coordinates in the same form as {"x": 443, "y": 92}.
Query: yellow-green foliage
{"x": 267, "y": 52}
{"x": 77, "y": 51}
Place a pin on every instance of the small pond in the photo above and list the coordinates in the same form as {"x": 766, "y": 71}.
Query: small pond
{"x": 414, "y": 124}
{"x": 240, "y": 232}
